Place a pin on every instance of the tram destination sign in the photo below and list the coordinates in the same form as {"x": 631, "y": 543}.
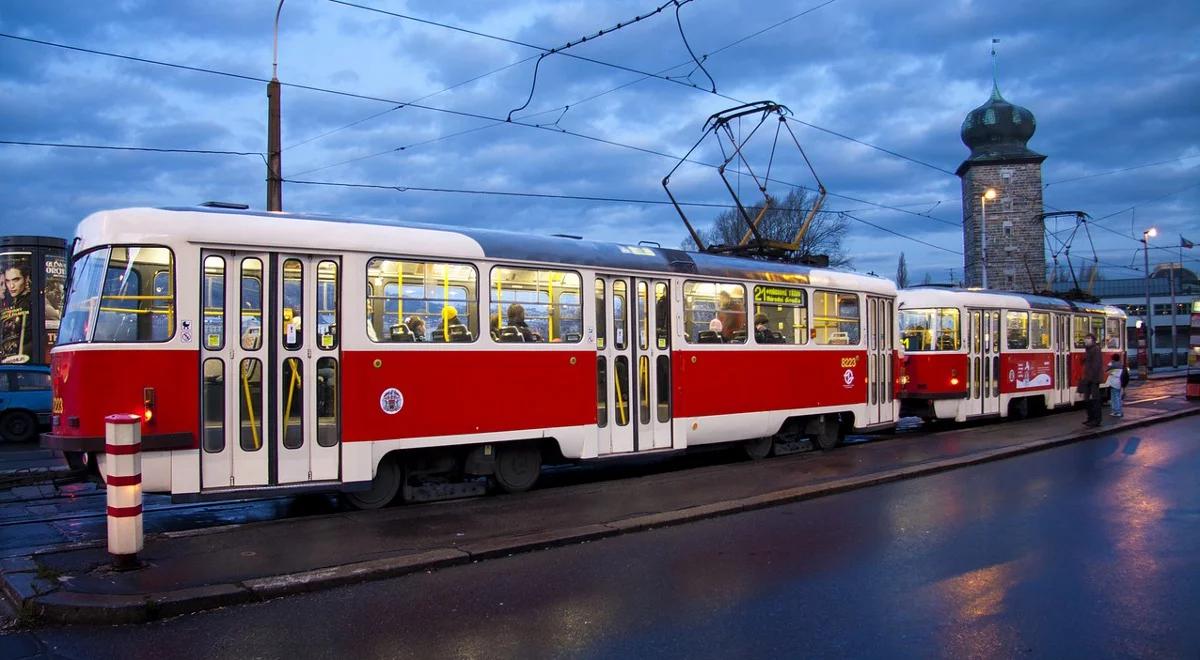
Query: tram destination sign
{"x": 777, "y": 295}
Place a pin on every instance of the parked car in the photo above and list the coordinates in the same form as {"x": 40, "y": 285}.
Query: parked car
{"x": 24, "y": 401}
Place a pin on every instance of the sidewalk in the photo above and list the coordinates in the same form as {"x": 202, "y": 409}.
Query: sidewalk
{"x": 196, "y": 570}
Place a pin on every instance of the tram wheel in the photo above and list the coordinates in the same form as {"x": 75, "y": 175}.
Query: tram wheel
{"x": 828, "y": 433}
{"x": 82, "y": 461}
{"x": 18, "y": 426}
{"x": 518, "y": 465}
{"x": 384, "y": 487}
{"x": 758, "y": 448}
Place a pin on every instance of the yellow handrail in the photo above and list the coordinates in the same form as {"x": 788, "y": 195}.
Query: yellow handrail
{"x": 445, "y": 302}
{"x": 249, "y": 407}
{"x": 287, "y": 415}
{"x": 620, "y": 400}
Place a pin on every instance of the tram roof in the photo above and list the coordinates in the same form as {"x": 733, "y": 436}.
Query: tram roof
{"x": 933, "y": 296}
{"x": 261, "y": 228}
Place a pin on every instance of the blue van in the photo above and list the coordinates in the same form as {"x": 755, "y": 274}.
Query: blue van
{"x": 24, "y": 401}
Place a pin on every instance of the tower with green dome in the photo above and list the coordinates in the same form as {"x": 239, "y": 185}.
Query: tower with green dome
{"x": 996, "y": 133}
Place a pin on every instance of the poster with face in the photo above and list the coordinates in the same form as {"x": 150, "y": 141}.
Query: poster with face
{"x": 55, "y": 285}
{"x": 16, "y": 324}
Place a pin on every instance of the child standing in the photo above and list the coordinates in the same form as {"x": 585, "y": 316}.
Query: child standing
{"x": 1115, "y": 382}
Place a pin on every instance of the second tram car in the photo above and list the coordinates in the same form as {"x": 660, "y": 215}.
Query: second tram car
{"x": 274, "y": 353}
{"x": 971, "y": 354}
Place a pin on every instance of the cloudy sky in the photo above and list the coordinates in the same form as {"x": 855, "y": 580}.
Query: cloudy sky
{"x": 1114, "y": 86}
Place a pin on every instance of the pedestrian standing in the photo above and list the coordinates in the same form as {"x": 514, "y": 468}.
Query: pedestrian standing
{"x": 1089, "y": 382}
{"x": 1116, "y": 385}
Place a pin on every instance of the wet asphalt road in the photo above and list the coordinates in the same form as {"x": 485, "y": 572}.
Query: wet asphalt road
{"x": 1087, "y": 550}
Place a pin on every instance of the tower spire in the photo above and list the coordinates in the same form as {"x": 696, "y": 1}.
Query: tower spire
{"x": 995, "y": 83}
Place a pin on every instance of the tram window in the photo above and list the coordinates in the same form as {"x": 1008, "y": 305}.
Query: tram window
{"x": 714, "y": 313}
{"x": 1017, "y": 324}
{"x": 643, "y": 319}
{"x": 620, "y": 315}
{"x": 293, "y": 403}
{"x": 1097, "y": 328}
{"x": 537, "y": 305}
{"x": 780, "y": 315}
{"x": 87, "y": 279}
{"x": 137, "y": 303}
{"x": 1113, "y": 332}
{"x": 601, "y": 316}
{"x": 327, "y": 402}
{"x": 621, "y": 376}
{"x": 835, "y": 318}
{"x": 213, "y": 415}
{"x": 327, "y": 305}
{"x": 644, "y": 388}
{"x": 662, "y": 315}
{"x": 419, "y": 301}
{"x": 935, "y": 329}
{"x": 664, "y": 388}
{"x": 214, "y": 303}
{"x": 250, "y": 409}
{"x": 601, "y": 391}
{"x": 1079, "y": 330}
{"x": 250, "y": 323}
{"x": 1039, "y": 330}
{"x": 292, "y": 313}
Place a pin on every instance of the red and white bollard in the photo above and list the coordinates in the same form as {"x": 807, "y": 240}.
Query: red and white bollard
{"x": 123, "y": 468}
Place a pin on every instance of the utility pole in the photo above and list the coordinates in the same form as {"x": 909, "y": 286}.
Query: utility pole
{"x": 274, "y": 155}
{"x": 1174, "y": 346}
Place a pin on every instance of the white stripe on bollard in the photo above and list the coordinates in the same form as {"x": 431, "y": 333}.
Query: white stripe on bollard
{"x": 123, "y": 463}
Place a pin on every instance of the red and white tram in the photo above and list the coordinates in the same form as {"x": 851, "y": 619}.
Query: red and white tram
{"x": 972, "y": 353}
{"x": 270, "y": 352}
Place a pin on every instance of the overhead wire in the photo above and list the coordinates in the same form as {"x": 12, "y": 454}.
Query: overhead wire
{"x": 109, "y": 147}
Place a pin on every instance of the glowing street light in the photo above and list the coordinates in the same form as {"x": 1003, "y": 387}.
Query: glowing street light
{"x": 988, "y": 195}
{"x": 1146, "y": 236}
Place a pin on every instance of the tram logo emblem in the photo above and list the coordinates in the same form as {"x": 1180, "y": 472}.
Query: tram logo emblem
{"x": 848, "y": 378}
{"x": 391, "y": 401}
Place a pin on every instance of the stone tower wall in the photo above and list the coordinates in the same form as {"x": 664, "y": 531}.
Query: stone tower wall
{"x": 1016, "y": 257}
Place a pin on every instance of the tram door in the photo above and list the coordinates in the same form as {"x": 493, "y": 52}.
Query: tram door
{"x": 1062, "y": 359}
{"x": 632, "y": 365}
{"x": 234, "y": 369}
{"x": 984, "y": 356}
{"x": 306, "y": 407}
{"x": 880, "y": 397}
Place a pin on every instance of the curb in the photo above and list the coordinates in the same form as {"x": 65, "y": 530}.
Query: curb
{"x": 37, "y": 596}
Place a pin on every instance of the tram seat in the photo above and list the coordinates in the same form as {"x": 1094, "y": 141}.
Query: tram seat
{"x": 739, "y": 337}
{"x": 768, "y": 337}
{"x": 708, "y": 337}
{"x": 401, "y": 333}
{"x": 511, "y": 334}
{"x": 457, "y": 333}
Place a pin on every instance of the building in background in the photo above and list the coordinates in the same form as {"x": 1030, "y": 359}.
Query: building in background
{"x": 34, "y": 274}
{"x": 1130, "y": 295}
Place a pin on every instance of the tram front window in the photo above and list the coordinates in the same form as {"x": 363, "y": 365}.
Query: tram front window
{"x": 930, "y": 329}
{"x": 120, "y": 295}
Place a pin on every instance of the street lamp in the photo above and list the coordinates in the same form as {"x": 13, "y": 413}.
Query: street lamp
{"x": 988, "y": 194}
{"x": 1146, "y": 236}
{"x": 274, "y": 155}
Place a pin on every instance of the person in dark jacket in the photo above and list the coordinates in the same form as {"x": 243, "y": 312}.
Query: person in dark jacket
{"x": 1089, "y": 382}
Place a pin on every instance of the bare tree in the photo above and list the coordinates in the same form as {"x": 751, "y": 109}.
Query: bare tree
{"x": 902, "y": 272}
{"x": 928, "y": 279}
{"x": 780, "y": 223}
